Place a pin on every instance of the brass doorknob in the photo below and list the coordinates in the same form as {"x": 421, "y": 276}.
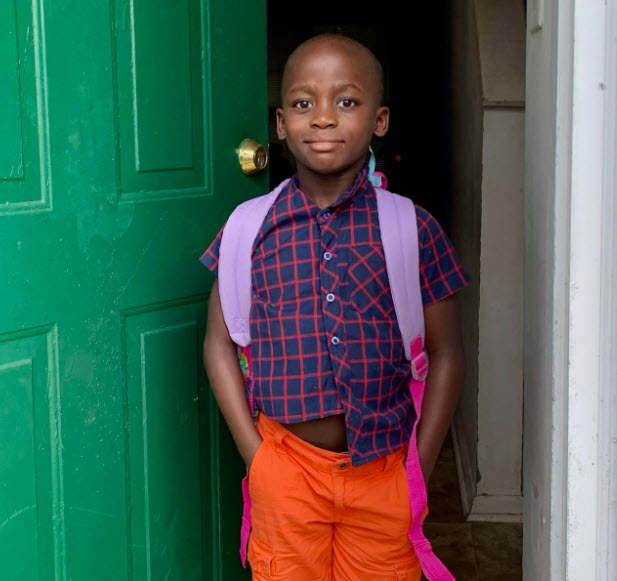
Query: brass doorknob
{"x": 253, "y": 156}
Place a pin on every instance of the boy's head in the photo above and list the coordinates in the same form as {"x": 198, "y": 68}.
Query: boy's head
{"x": 332, "y": 92}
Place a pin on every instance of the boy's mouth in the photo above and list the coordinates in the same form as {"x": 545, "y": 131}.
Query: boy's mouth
{"x": 323, "y": 146}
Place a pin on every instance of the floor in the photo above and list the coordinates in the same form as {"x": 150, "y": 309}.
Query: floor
{"x": 471, "y": 551}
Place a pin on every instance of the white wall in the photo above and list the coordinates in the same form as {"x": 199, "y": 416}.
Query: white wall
{"x": 500, "y": 376}
{"x": 501, "y": 34}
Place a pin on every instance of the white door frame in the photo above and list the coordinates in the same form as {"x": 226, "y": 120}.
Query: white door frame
{"x": 606, "y": 567}
{"x": 591, "y": 294}
{"x": 571, "y": 293}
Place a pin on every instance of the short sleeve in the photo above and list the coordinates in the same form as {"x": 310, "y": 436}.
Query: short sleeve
{"x": 210, "y": 258}
{"x": 441, "y": 273}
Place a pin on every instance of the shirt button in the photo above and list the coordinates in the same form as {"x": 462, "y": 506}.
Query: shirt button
{"x": 326, "y": 215}
{"x": 327, "y": 255}
{"x": 335, "y": 340}
{"x": 330, "y": 297}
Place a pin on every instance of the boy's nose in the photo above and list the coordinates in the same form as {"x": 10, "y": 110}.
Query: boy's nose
{"x": 323, "y": 117}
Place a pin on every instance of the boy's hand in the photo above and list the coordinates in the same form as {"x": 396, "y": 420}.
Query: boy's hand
{"x": 226, "y": 380}
{"x": 444, "y": 381}
{"x": 249, "y": 454}
{"x": 427, "y": 464}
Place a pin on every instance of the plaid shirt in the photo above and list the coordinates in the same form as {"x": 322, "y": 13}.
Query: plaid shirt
{"x": 324, "y": 334}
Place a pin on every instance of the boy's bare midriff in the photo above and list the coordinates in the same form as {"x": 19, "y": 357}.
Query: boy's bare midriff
{"x": 327, "y": 433}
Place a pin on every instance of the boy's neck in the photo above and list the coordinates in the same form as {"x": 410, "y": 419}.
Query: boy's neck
{"x": 324, "y": 190}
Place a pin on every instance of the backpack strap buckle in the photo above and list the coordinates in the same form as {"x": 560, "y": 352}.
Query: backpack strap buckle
{"x": 419, "y": 366}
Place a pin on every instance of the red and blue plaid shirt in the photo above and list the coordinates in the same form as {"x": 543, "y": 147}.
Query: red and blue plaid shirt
{"x": 324, "y": 334}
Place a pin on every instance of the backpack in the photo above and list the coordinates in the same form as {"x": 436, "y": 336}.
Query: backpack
{"x": 398, "y": 227}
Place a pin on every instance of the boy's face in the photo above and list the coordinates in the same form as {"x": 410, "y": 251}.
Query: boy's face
{"x": 331, "y": 108}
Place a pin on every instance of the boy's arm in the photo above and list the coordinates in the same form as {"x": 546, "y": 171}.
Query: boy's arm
{"x": 226, "y": 380}
{"x": 446, "y": 356}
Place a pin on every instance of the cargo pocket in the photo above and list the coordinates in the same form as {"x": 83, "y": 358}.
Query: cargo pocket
{"x": 408, "y": 571}
{"x": 261, "y": 560}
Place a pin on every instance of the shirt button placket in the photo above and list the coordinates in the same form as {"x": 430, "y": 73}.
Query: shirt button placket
{"x": 328, "y": 279}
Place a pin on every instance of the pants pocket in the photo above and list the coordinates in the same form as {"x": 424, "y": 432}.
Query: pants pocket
{"x": 261, "y": 559}
{"x": 408, "y": 571}
{"x": 256, "y": 461}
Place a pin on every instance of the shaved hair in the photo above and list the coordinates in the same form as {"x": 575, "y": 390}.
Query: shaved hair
{"x": 341, "y": 40}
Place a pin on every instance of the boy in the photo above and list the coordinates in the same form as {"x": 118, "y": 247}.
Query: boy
{"x": 331, "y": 383}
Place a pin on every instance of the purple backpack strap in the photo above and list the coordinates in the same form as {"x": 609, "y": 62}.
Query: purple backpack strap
{"x": 234, "y": 273}
{"x": 235, "y": 290}
{"x": 399, "y": 236}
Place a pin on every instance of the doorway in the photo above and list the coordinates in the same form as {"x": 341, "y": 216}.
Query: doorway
{"x": 416, "y": 157}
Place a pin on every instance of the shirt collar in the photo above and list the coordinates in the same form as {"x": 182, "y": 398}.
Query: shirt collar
{"x": 359, "y": 188}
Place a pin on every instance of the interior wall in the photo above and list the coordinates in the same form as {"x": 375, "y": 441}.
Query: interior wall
{"x": 500, "y": 353}
{"x": 501, "y": 48}
{"x": 488, "y": 97}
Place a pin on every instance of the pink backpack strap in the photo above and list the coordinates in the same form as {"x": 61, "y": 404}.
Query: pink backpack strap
{"x": 433, "y": 568}
{"x": 399, "y": 236}
{"x": 245, "y": 527}
{"x": 234, "y": 272}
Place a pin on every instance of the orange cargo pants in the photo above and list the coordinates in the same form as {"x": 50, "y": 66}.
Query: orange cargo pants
{"x": 315, "y": 517}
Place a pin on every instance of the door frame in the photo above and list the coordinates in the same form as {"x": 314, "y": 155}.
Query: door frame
{"x": 570, "y": 292}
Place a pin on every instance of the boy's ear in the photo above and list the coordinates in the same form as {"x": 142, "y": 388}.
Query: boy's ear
{"x": 281, "y": 130}
{"x": 382, "y": 121}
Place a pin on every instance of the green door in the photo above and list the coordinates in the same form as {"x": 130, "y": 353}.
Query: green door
{"x": 120, "y": 121}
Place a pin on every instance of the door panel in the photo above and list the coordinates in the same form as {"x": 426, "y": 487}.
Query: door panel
{"x": 163, "y": 472}
{"x": 29, "y": 449}
{"x": 156, "y": 80}
{"x": 117, "y": 168}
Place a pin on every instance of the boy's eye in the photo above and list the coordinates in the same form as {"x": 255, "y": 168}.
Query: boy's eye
{"x": 302, "y": 104}
{"x": 347, "y": 103}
